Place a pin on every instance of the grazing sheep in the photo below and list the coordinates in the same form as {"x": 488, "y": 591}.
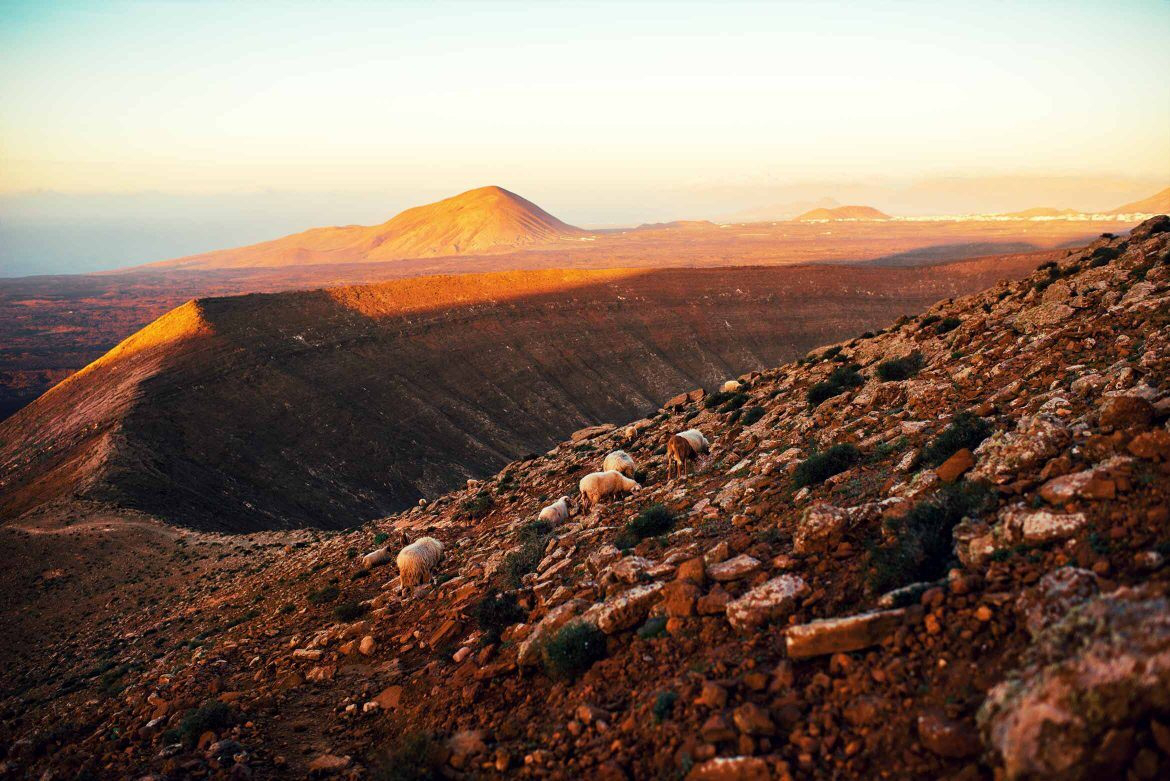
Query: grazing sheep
{"x": 376, "y": 558}
{"x": 731, "y": 386}
{"x": 697, "y": 440}
{"x": 679, "y": 453}
{"x": 417, "y": 561}
{"x": 598, "y": 485}
{"x": 619, "y": 461}
{"x": 557, "y": 512}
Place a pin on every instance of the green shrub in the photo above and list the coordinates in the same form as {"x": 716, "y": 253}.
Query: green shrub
{"x": 653, "y": 627}
{"x": 380, "y": 538}
{"x": 323, "y": 595}
{"x": 752, "y": 415}
{"x": 534, "y": 539}
{"x": 495, "y": 613}
{"x": 414, "y": 757}
{"x": 477, "y": 506}
{"x": 573, "y": 650}
{"x": 1102, "y": 255}
{"x": 899, "y": 368}
{"x": 736, "y": 401}
{"x": 842, "y": 379}
{"x": 967, "y": 430}
{"x": 717, "y": 399}
{"x": 929, "y": 320}
{"x": 651, "y": 521}
{"x": 350, "y": 611}
{"x": 664, "y": 706}
{"x": 947, "y": 325}
{"x": 923, "y": 544}
{"x": 819, "y": 467}
{"x": 212, "y": 715}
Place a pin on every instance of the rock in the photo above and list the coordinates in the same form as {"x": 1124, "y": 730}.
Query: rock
{"x": 1055, "y": 595}
{"x": 1120, "y": 412}
{"x": 625, "y": 610}
{"x": 327, "y": 764}
{"x": 679, "y": 598}
{"x": 953, "y": 468}
{"x": 820, "y": 524}
{"x": 841, "y": 635}
{"x": 589, "y": 432}
{"x": 367, "y": 646}
{"x": 716, "y": 728}
{"x": 312, "y": 654}
{"x": 751, "y": 719}
{"x": 528, "y": 653}
{"x": 717, "y": 554}
{"x": 464, "y": 746}
{"x": 712, "y": 695}
{"x": 1151, "y": 445}
{"x": 767, "y": 602}
{"x": 733, "y": 569}
{"x": 1078, "y": 485}
{"x": 1004, "y": 455}
{"x": 693, "y": 571}
{"x": 1039, "y": 526}
{"x": 714, "y": 602}
{"x": 1038, "y": 317}
{"x": 683, "y": 399}
{"x": 1098, "y": 671}
{"x": 946, "y": 737}
{"x": 630, "y": 569}
{"x": 731, "y": 769}
{"x": 389, "y": 698}
{"x": 600, "y": 558}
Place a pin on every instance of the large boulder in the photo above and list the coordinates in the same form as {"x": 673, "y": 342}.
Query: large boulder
{"x": 1004, "y": 455}
{"x": 1089, "y": 685}
{"x": 769, "y": 601}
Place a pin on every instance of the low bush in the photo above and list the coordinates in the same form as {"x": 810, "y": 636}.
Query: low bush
{"x": 212, "y": 715}
{"x": 664, "y": 706}
{"x": 477, "y": 506}
{"x": 651, "y": 521}
{"x": 819, "y": 467}
{"x": 415, "y": 756}
{"x": 495, "y": 613}
{"x": 842, "y": 379}
{"x": 350, "y": 611}
{"x": 380, "y": 538}
{"x": 899, "y": 368}
{"x": 967, "y": 430}
{"x": 923, "y": 542}
{"x": 752, "y": 415}
{"x": 573, "y": 650}
{"x": 324, "y": 595}
{"x": 947, "y": 325}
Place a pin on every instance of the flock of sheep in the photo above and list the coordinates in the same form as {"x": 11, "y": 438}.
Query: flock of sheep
{"x": 416, "y": 561}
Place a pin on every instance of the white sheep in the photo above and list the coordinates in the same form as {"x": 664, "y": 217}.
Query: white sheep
{"x": 697, "y": 440}
{"x": 619, "y": 461}
{"x": 598, "y": 485}
{"x": 557, "y": 512}
{"x": 376, "y": 558}
{"x": 731, "y": 386}
{"x": 417, "y": 561}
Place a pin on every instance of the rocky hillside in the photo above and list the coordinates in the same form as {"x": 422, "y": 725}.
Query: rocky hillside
{"x": 934, "y": 551}
{"x": 329, "y": 408}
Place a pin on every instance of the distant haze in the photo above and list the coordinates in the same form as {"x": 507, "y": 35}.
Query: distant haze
{"x": 133, "y": 132}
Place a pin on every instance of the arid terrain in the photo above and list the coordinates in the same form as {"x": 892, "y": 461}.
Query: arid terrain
{"x": 51, "y": 326}
{"x": 934, "y": 549}
{"x": 328, "y": 408}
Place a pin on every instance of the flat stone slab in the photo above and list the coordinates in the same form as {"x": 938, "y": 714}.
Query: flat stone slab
{"x": 841, "y": 635}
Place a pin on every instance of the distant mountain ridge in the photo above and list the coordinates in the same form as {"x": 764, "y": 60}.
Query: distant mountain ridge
{"x": 1158, "y": 203}
{"x": 487, "y": 219}
{"x": 843, "y": 213}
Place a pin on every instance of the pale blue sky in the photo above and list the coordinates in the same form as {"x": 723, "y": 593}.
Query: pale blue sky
{"x": 592, "y": 109}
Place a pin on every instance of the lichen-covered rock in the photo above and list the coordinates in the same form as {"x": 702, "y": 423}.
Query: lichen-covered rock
{"x": 1104, "y": 667}
{"x": 819, "y": 525}
{"x": 1055, "y": 595}
{"x": 1039, "y": 526}
{"x": 767, "y": 602}
{"x": 624, "y": 610}
{"x": 733, "y": 569}
{"x": 1004, "y": 455}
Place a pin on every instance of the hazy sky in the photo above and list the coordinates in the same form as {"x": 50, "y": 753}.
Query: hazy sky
{"x": 600, "y": 112}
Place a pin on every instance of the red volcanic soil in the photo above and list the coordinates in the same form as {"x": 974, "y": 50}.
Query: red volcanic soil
{"x": 330, "y": 407}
